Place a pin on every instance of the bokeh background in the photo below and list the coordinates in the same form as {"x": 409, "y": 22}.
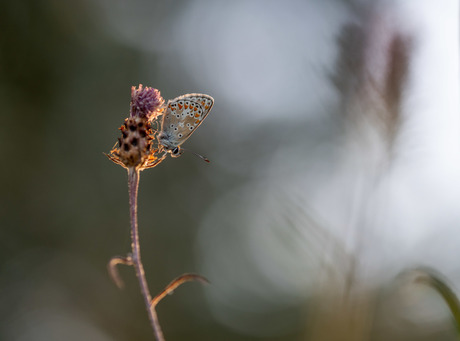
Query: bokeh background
{"x": 335, "y": 162}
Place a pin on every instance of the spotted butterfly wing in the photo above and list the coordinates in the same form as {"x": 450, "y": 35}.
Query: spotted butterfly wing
{"x": 182, "y": 116}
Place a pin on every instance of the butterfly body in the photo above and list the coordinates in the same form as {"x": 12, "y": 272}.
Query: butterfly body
{"x": 182, "y": 116}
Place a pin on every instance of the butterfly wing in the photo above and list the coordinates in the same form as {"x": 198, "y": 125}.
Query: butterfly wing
{"x": 183, "y": 115}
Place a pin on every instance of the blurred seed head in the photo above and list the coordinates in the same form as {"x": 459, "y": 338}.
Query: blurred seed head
{"x": 372, "y": 70}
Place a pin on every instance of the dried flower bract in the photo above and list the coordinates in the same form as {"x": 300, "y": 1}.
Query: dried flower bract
{"x": 137, "y": 147}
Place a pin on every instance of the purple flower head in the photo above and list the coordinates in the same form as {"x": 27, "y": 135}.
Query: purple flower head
{"x": 145, "y": 102}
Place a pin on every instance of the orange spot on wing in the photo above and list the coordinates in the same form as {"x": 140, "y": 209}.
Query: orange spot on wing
{"x": 186, "y": 106}
{"x": 196, "y": 108}
{"x": 206, "y": 107}
{"x": 197, "y": 115}
{"x": 180, "y": 106}
{"x": 202, "y": 102}
{"x": 197, "y": 121}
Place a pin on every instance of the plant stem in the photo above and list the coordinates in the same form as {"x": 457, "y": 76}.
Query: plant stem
{"x": 133, "y": 184}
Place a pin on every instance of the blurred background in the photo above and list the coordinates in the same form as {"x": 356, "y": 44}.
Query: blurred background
{"x": 335, "y": 161}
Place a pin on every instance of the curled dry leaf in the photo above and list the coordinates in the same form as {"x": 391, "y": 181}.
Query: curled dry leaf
{"x": 113, "y": 271}
{"x": 176, "y": 283}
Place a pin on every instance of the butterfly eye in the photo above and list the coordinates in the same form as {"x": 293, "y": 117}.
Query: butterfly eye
{"x": 176, "y": 152}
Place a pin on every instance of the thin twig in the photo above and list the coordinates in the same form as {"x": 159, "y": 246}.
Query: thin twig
{"x": 133, "y": 184}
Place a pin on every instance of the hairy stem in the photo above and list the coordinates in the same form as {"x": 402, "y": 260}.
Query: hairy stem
{"x": 133, "y": 184}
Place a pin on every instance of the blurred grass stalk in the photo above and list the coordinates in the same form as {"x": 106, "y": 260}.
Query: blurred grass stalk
{"x": 439, "y": 284}
{"x": 371, "y": 77}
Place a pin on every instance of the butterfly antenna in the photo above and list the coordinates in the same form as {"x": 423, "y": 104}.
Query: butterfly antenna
{"x": 196, "y": 154}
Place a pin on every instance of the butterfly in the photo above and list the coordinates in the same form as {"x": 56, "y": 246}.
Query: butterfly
{"x": 182, "y": 116}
